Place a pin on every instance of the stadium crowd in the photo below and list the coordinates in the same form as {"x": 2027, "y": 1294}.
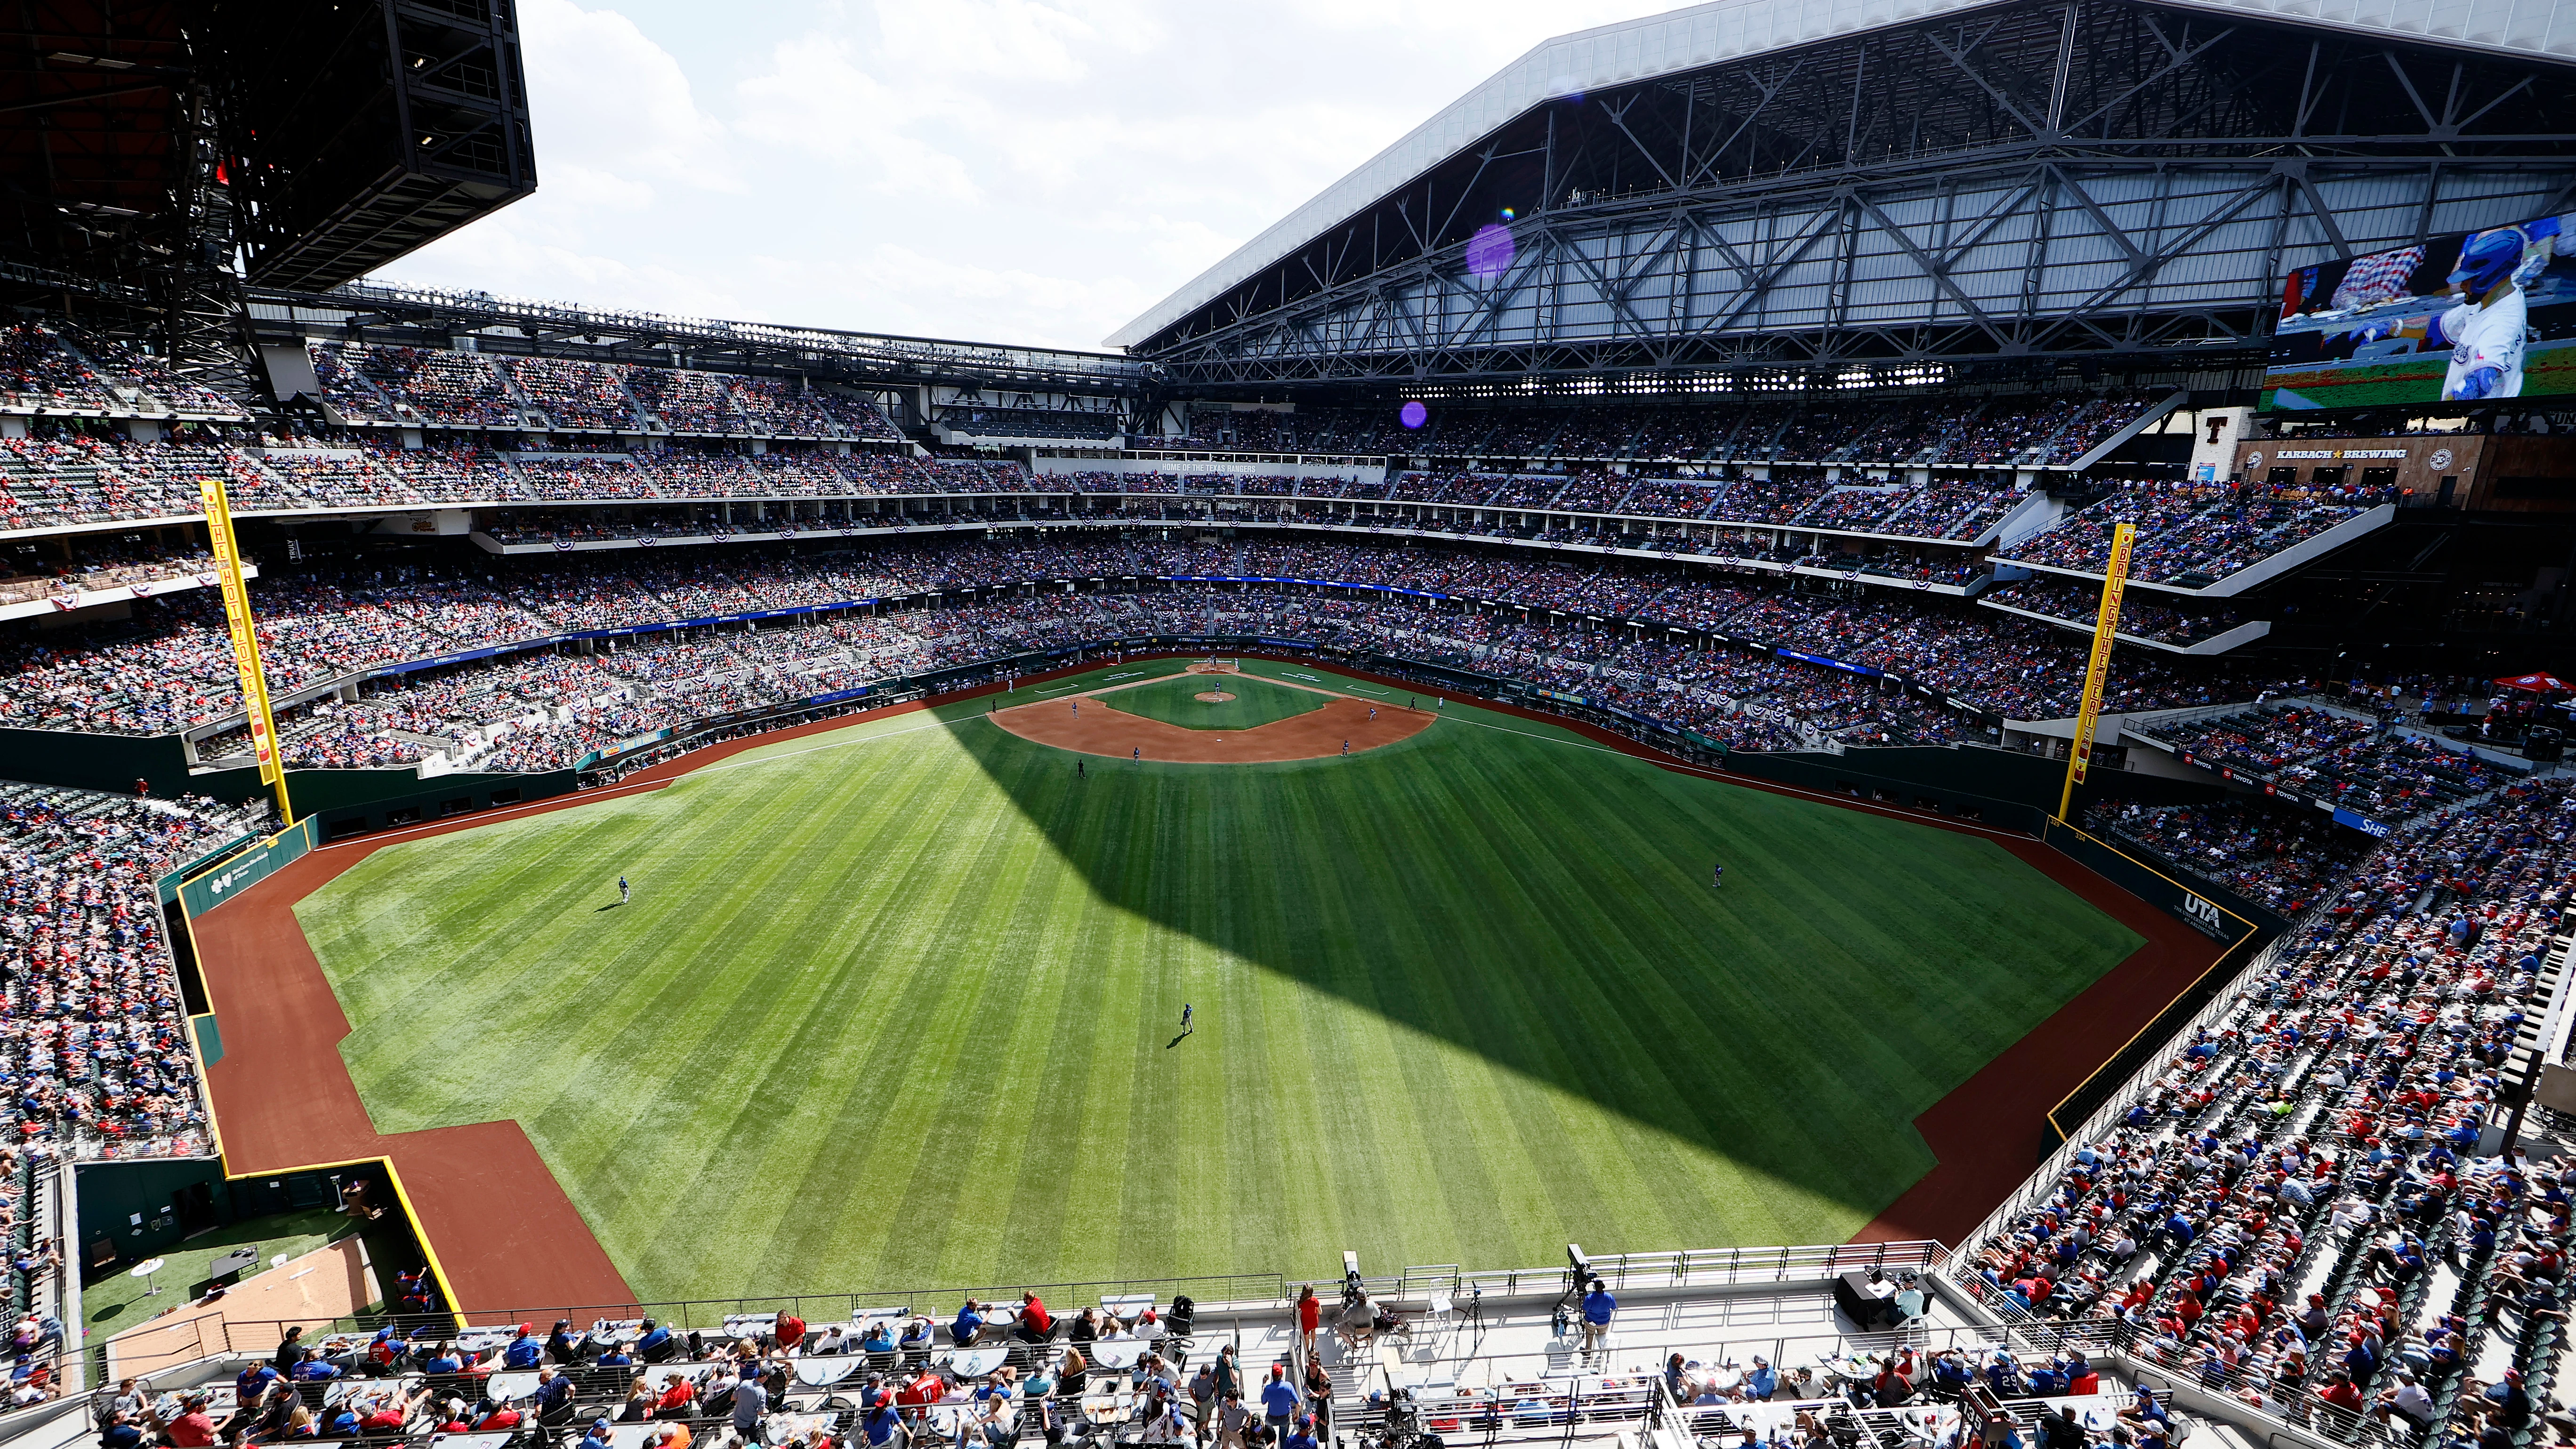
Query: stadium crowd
{"x": 1524, "y": 616}
{"x": 2301, "y": 1207}
{"x": 2193, "y": 534}
{"x": 93, "y": 1049}
{"x": 2368, "y": 765}
{"x": 54, "y": 367}
{"x": 366, "y": 383}
{"x": 2142, "y": 616}
{"x": 1998, "y": 432}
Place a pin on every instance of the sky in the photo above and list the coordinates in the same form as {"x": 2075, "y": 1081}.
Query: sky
{"x": 1034, "y": 172}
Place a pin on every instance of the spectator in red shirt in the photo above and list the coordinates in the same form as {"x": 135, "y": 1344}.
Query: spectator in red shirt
{"x": 194, "y": 1428}
{"x": 1036, "y": 1325}
{"x": 502, "y": 1416}
{"x": 1310, "y": 1315}
{"x": 790, "y": 1331}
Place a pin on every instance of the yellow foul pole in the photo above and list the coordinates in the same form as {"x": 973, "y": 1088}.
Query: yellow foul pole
{"x": 2098, "y": 671}
{"x": 245, "y": 636}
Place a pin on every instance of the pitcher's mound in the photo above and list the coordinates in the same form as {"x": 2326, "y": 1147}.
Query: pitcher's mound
{"x": 1213, "y": 696}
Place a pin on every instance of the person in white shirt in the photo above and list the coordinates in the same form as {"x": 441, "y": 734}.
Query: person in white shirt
{"x": 2407, "y": 1399}
{"x": 2485, "y": 332}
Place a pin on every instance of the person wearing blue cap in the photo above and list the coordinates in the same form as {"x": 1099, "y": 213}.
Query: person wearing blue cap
{"x": 597, "y": 1438}
{"x": 2485, "y": 332}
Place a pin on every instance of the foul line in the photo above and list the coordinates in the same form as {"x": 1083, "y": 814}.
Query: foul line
{"x": 1576, "y": 744}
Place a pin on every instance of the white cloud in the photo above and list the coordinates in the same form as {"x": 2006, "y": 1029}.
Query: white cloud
{"x": 1033, "y": 171}
{"x": 613, "y": 102}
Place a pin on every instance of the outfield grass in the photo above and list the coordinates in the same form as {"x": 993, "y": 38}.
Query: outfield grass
{"x": 1176, "y": 701}
{"x": 895, "y": 1006}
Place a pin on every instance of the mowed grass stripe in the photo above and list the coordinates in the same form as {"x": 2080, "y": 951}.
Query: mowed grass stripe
{"x": 896, "y": 1008}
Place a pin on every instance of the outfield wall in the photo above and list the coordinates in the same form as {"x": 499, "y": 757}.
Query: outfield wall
{"x": 2197, "y": 905}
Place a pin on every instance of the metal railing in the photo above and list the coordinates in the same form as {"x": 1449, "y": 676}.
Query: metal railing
{"x": 1683, "y": 1268}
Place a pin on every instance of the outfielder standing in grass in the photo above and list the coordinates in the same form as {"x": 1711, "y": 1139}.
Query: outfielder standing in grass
{"x": 1185, "y": 1018}
{"x": 625, "y": 892}
{"x": 1716, "y": 876}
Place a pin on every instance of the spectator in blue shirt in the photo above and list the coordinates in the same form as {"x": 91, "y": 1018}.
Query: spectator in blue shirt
{"x": 1764, "y": 1381}
{"x": 1278, "y": 1401}
{"x": 1598, "y": 1306}
{"x": 597, "y": 1438}
{"x": 1301, "y": 1437}
{"x": 616, "y": 1357}
{"x": 655, "y": 1345}
{"x": 969, "y": 1323}
{"x": 443, "y": 1360}
{"x": 524, "y": 1351}
{"x": 554, "y": 1398}
{"x": 119, "y": 1434}
{"x": 2508, "y": 1404}
{"x": 252, "y": 1382}
{"x": 882, "y": 1425}
{"x": 312, "y": 1369}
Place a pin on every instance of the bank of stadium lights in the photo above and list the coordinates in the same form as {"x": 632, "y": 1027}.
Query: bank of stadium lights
{"x": 1704, "y": 382}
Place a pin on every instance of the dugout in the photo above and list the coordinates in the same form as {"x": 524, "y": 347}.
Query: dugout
{"x": 130, "y": 1211}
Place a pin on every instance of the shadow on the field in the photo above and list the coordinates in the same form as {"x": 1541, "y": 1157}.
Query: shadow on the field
{"x": 1529, "y": 917}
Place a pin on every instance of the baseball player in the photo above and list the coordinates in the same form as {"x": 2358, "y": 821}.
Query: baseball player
{"x": 1716, "y": 877}
{"x": 2485, "y": 331}
{"x": 1185, "y": 1018}
{"x": 625, "y": 892}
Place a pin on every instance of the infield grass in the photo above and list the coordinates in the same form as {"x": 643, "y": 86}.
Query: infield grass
{"x": 896, "y": 1006}
{"x": 1176, "y": 701}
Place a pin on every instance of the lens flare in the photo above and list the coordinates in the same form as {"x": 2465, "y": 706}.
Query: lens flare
{"x": 1413, "y": 415}
{"x": 1489, "y": 250}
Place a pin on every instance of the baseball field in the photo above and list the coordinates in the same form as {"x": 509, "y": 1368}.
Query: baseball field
{"x": 899, "y": 1004}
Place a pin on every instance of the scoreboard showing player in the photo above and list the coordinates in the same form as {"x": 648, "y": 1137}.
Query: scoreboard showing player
{"x": 2478, "y": 317}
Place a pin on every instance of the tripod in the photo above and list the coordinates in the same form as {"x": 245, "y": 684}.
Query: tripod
{"x": 1473, "y": 1319}
{"x": 1569, "y": 1303}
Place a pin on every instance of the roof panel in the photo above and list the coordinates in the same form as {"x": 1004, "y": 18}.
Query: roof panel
{"x": 1723, "y": 30}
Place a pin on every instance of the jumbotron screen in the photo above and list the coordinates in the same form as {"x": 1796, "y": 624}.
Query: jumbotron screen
{"x": 2471, "y": 318}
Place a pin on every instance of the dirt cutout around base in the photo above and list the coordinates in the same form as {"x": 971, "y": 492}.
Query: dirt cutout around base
{"x": 1344, "y": 726}
{"x": 1213, "y": 696}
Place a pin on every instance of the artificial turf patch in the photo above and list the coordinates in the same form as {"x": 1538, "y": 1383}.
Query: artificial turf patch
{"x": 898, "y": 1005}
